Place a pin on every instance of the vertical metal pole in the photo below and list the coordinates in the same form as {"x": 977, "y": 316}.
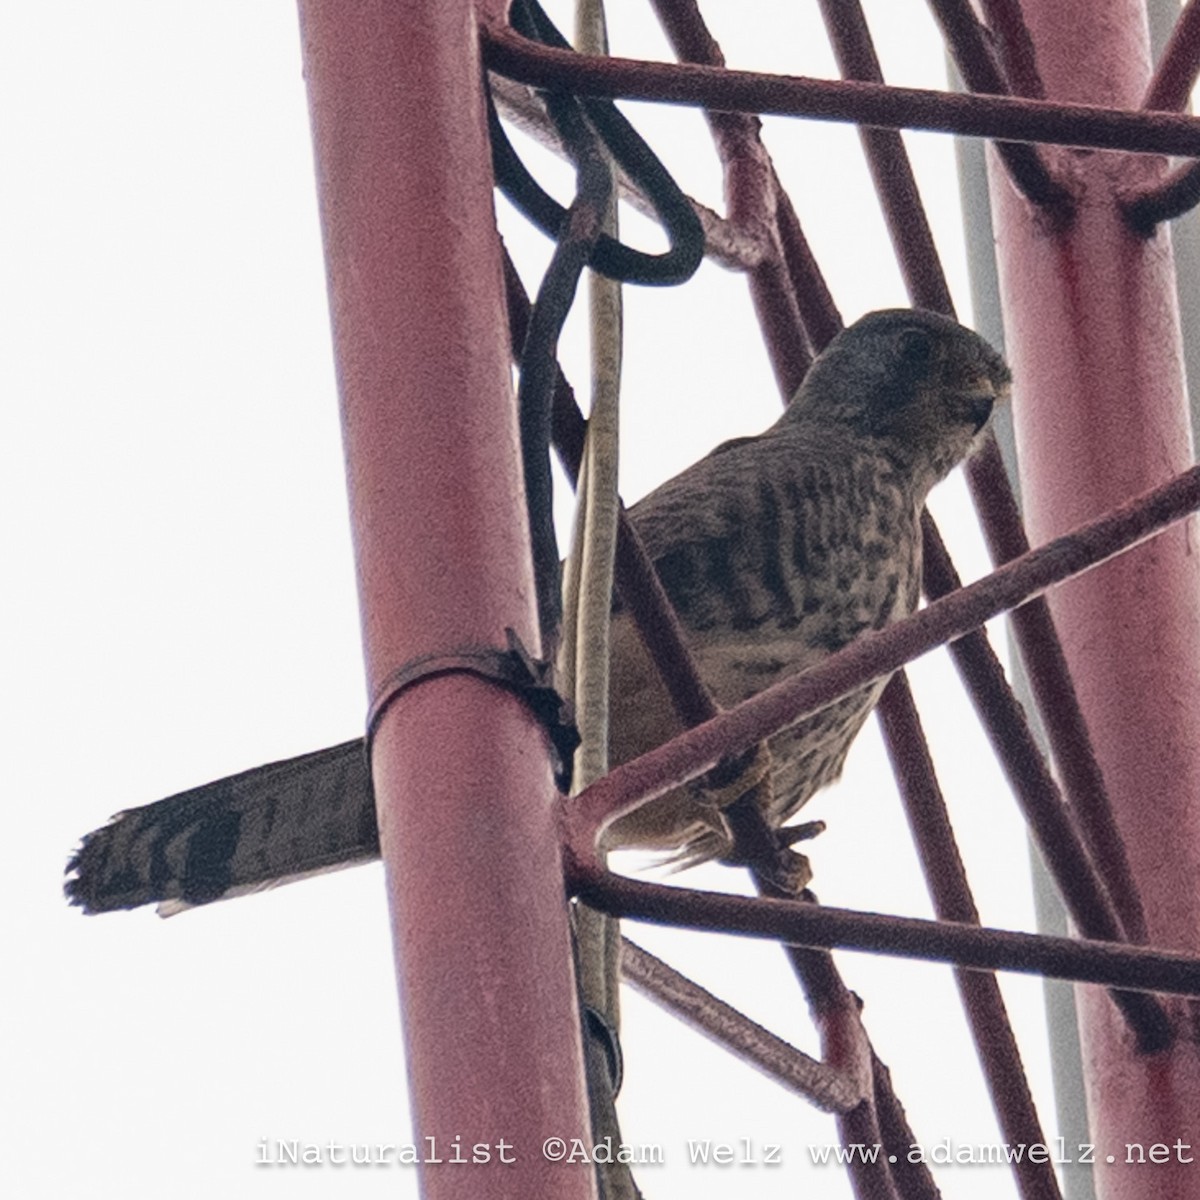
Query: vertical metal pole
{"x": 462, "y": 774}
{"x": 1101, "y": 414}
{"x": 1066, "y": 1062}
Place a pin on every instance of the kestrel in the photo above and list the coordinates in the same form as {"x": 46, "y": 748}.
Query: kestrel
{"x": 776, "y": 550}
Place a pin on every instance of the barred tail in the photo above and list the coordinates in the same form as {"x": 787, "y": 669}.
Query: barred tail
{"x": 276, "y": 822}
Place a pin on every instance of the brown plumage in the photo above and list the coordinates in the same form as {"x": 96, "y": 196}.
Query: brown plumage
{"x": 776, "y": 551}
{"x": 779, "y": 549}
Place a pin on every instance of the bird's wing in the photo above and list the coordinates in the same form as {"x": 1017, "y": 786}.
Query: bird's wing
{"x": 279, "y": 821}
{"x": 641, "y": 713}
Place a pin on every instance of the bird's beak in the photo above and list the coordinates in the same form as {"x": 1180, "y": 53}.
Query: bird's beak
{"x": 983, "y": 394}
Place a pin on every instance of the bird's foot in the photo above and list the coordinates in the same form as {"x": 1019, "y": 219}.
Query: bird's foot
{"x": 789, "y": 873}
{"x": 784, "y": 870}
{"x": 789, "y": 870}
{"x": 789, "y": 835}
{"x": 731, "y": 780}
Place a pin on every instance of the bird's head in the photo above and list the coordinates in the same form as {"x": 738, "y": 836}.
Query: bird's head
{"x": 917, "y": 381}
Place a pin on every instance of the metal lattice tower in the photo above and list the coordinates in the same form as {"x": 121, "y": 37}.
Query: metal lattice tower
{"x": 482, "y": 852}
{"x": 1088, "y": 304}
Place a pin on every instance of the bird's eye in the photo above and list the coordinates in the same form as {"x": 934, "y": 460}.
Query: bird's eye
{"x": 915, "y": 346}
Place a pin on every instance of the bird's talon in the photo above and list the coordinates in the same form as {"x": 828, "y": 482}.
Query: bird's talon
{"x": 791, "y": 872}
{"x": 789, "y": 835}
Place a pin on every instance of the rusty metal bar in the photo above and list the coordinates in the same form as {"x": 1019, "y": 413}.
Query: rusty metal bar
{"x": 1092, "y": 332}
{"x": 870, "y": 1177}
{"x": 835, "y": 1011}
{"x": 1053, "y": 691}
{"x": 826, "y": 1087}
{"x": 887, "y": 160}
{"x": 750, "y": 190}
{"x": 969, "y": 47}
{"x": 1175, "y": 76}
{"x": 461, "y": 770}
{"x": 814, "y": 301}
{"x": 1169, "y": 90}
{"x": 1051, "y": 822}
{"x": 912, "y": 1175}
{"x": 1007, "y": 118}
{"x": 1013, "y": 46}
{"x": 1113, "y": 964}
{"x": 1171, "y": 197}
{"x": 982, "y": 1001}
{"x": 981, "y": 72}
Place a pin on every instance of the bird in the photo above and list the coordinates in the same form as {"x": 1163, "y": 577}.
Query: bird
{"x": 775, "y": 550}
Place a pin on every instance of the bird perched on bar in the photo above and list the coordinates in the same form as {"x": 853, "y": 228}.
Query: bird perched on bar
{"x": 775, "y": 550}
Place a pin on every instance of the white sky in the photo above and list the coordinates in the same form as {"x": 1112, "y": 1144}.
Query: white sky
{"x": 181, "y": 605}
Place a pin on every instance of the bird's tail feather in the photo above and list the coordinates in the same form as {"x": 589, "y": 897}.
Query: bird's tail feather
{"x": 268, "y": 825}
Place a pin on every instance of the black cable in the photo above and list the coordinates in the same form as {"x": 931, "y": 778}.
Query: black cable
{"x": 581, "y": 241}
{"x": 609, "y": 256}
{"x": 577, "y": 235}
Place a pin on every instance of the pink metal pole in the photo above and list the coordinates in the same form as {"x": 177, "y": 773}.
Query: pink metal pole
{"x": 1101, "y": 414}
{"x": 461, "y": 769}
